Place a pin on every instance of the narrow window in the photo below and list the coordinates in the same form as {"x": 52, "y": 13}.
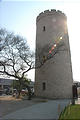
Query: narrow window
{"x": 44, "y": 85}
{"x": 44, "y": 28}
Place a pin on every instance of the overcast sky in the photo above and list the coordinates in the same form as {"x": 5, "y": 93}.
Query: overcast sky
{"x": 20, "y": 17}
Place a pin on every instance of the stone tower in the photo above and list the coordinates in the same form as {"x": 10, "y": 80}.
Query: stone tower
{"x": 53, "y": 77}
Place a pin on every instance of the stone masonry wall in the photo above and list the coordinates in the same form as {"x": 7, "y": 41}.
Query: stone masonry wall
{"x": 56, "y": 73}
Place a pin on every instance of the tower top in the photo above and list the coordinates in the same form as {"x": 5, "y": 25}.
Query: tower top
{"x": 51, "y": 12}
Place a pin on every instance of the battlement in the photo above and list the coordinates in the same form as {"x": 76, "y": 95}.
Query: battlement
{"x": 51, "y": 12}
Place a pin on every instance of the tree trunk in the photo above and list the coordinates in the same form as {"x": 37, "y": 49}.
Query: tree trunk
{"x": 29, "y": 92}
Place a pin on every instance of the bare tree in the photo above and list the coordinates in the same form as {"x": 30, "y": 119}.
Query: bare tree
{"x": 16, "y": 59}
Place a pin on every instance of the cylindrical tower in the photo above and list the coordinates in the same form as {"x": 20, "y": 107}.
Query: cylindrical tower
{"x": 53, "y": 76}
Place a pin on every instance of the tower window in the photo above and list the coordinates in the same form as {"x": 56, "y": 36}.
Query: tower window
{"x": 44, "y": 85}
{"x": 44, "y": 28}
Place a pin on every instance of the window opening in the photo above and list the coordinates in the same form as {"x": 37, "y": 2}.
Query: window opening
{"x": 44, "y": 28}
{"x": 44, "y": 85}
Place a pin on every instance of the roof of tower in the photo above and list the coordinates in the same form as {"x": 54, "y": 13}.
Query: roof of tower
{"x": 51, "y": 12}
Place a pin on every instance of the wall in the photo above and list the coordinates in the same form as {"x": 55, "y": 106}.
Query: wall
{"x": 56, "y": 72}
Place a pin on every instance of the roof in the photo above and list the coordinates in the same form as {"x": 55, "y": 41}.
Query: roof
{"x": 5, "y": 81}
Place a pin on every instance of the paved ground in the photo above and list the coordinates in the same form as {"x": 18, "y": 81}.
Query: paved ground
{"x": 77, "y": 101}
{"x": 9, "y": 104}
{"x": 35, "y": 109}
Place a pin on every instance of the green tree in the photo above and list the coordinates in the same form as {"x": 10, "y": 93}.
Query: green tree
{"x": 22, "y": 85}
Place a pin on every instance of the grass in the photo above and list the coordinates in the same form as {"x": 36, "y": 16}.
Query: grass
{"x": 71, "y": 112}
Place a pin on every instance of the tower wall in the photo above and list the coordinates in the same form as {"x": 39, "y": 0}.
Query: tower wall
{"x": 56, "y": 73}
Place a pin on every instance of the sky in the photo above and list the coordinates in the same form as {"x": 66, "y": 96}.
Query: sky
{"x": 20, "y": 17}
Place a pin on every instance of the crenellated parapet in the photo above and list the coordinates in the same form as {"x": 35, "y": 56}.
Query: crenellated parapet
{"x": 51, "y": 12}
